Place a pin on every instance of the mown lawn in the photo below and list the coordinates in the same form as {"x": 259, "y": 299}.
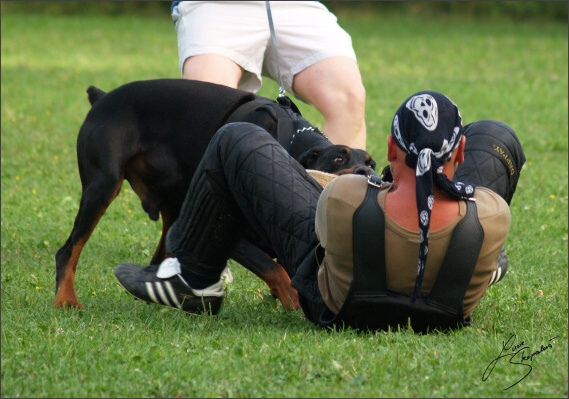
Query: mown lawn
{"x": 117, "y": 347}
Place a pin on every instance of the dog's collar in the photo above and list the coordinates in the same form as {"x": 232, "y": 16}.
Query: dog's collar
{"x": 305, "y": 129}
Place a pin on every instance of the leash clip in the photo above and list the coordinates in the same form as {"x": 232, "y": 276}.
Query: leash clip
{"x": 374, "y": 180}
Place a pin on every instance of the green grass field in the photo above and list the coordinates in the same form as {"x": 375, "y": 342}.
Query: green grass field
{"x": 117, "y": 347}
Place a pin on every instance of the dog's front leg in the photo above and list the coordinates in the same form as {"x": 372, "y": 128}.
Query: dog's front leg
{"x": 272, "y": 273}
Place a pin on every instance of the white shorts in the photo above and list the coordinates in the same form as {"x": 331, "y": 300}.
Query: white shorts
{"x": 306, "y": 33}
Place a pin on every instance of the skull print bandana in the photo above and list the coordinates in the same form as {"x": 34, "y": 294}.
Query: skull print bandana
{"x": 428, "y": 127}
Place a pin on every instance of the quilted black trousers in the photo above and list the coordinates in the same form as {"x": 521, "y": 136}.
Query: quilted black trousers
{"x": 246, "y": 185}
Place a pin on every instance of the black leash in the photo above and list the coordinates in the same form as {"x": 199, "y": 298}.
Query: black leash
{"x": 274, "y": 38}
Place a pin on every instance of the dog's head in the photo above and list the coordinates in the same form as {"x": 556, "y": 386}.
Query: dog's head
{"x": 338, "y": 159}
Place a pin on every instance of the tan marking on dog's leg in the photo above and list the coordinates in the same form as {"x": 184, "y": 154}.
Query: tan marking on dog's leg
{"x": 65, "y": 297}
{"x": 280, "y": 286}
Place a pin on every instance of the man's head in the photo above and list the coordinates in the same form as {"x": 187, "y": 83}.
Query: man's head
{"x": 427, "y": 128}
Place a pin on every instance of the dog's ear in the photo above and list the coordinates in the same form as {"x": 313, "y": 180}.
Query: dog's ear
{"x": 94, "y": 94}
{"x": 308, "y": 158}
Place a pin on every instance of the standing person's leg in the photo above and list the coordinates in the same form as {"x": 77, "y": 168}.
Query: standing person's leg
{"x": 334, "y": 86}
{"x": 213, "y": 68}
{"x": 246, "y": 181}
{"x": 222, "y": 42}
{"x": 319, "y": 65}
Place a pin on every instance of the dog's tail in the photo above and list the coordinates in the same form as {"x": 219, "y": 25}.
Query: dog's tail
{"x": 94, "y": 94}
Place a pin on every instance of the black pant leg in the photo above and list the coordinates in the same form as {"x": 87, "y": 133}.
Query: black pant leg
{"x": 246, "y": 182}
{"x": 493, "y": 157}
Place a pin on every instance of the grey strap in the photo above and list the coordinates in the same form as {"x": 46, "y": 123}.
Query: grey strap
{"x": 274, "y": 38}
{"x": 369, "y": 246}
{"x": 460, "y": 261}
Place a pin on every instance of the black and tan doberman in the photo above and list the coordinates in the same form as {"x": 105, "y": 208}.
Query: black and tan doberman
{"x": 153, "y": 134}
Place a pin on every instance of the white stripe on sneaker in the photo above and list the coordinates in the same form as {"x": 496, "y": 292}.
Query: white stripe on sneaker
{"x": 172, "y": 294}
{"x": 150, "y": 292}
{"x": 498, "y": 275}
{"x": 495, "y": 276}
{"x": 161, "y": 293}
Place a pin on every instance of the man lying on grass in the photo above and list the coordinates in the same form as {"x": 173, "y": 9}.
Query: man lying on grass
{"x": 412, "y": 249}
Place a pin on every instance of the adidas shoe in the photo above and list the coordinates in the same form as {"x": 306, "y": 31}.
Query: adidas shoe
{"x": 502, "y": 268}
{"x": 163, "y": 284}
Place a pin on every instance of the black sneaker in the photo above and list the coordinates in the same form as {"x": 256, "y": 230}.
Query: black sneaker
{"x": 502, "y": 268}
{"x": 163, "y": 284}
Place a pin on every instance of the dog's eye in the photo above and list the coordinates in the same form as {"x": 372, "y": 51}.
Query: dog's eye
{"x": 339, "y": 159}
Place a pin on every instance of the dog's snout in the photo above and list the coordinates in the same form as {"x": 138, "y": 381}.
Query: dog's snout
{"x": 363, "y": 170}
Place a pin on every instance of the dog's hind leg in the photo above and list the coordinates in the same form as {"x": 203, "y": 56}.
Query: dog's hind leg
{"x": 95, "y": 200}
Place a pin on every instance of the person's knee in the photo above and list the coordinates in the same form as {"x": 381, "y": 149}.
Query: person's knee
{"x": 493, "y": 157}
{"x": 331, "y": 85}
{"x": 352, "y": 92}
{"x": 355, "y": 98}
{"x": 346, "y": 100}
{"x": 238, "y": 131}
{"x": 229, "y": 131}
{"x": 489, "y": 126}
{"x": 237, "y": 139}
{"x": 500, "y": 137}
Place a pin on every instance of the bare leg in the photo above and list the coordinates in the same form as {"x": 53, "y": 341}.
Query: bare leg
{"x": 213, "y": 68}
{"x": 334, "y": 86}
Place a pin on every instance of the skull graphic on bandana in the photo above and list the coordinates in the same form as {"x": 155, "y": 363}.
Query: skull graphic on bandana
{"x": 425, "y": 109}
